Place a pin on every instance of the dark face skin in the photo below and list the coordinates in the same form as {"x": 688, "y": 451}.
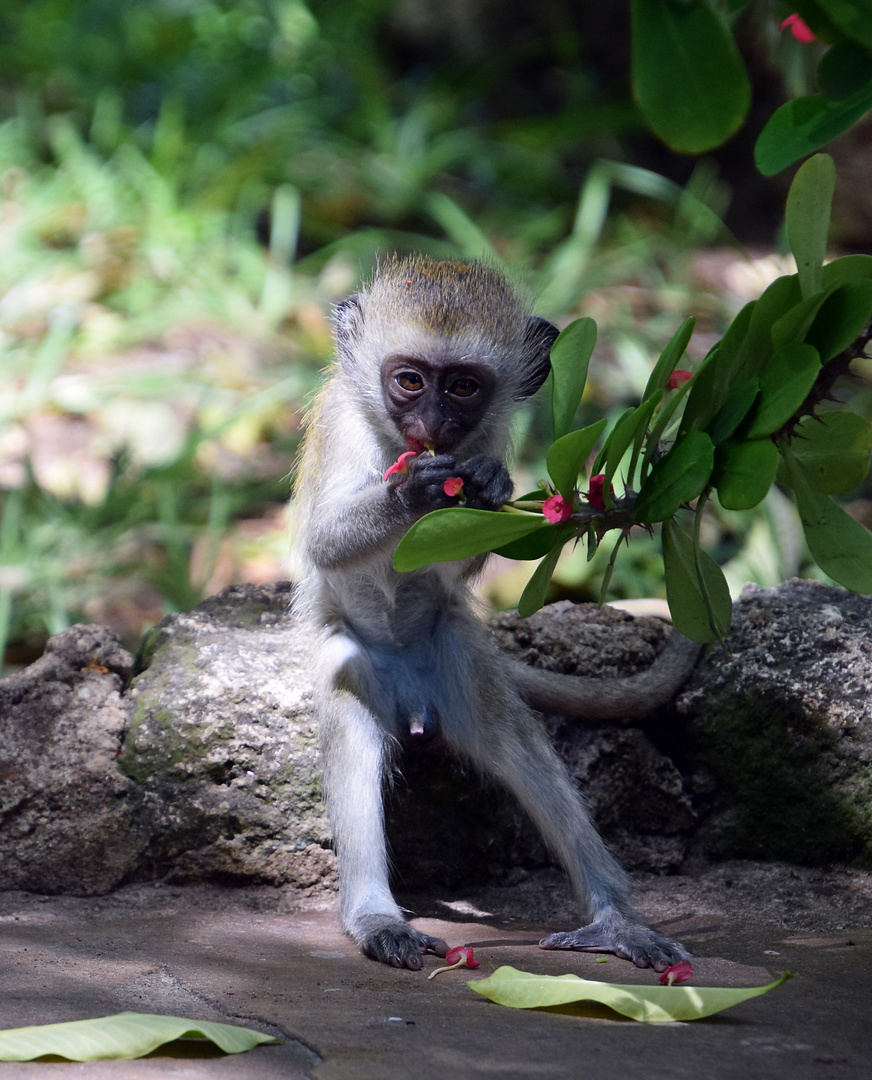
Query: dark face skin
{"x": 435, "y": 404}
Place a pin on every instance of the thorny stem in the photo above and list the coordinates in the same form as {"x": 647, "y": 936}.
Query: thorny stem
{"x": 826, "y": 379}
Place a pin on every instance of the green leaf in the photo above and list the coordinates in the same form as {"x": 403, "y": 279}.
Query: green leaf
{"x": 843, "y": 70}
{"x": 802, "y": 126}
{"x": 794, "y": 324}
{"x": 534, "y": 546}
{"x": 566, "y": 456}
{"x": 843, "y": 316}
{"x": 460, "y": 533}
{"x": 524, "y": 990}
{"x": 533, "y": 596}
{"x": 670, "y": 357}
{"x": 847, "y": 268}
{"x": 777, "y": 299}
{"x": 809, "y": 203}
{"x": 697, "y": 591}
{"x": 125, "y": 1035}
{"x": 733, "y": 411}
{"x": 854, "y": 17}
{"x": 688, "y": 76}
{"x": 570, "y": 357}
{"x": 664, "y": 419}
{"x": 784, "y": 386}
{"x": 744, "y": 472}
{"x": 713, "y": 382}
{"x": 839, "y": 545}
{"x": 678, "y": 477}
{"x": 630, "y": 428}
{"x": 834, "y": 450}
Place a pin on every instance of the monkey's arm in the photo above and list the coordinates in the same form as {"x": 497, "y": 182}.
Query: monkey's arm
{"x": 610, "y": 699}
{"x": 346, "y": 526}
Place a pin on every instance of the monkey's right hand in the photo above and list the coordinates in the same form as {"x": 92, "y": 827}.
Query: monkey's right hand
{"x": 486, "y": 483}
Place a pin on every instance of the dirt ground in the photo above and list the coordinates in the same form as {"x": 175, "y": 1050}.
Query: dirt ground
{"x": 264, "y": 958}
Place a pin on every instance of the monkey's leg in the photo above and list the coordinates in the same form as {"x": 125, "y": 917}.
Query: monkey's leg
{"x": 355, "y": 750}
{"x": 509, "y": 744}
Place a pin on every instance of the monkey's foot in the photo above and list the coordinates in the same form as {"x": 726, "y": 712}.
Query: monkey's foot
{"x": 394, "y": 942}
{"x": 626, "y": 939}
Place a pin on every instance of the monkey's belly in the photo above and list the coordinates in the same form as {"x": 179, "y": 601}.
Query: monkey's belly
{"x": 424, "y": 684}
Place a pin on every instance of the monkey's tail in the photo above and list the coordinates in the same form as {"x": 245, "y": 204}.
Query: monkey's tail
{"x": 610, "y": 699}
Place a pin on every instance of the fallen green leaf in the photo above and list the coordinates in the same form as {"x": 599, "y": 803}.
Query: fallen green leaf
{"x": 523, "y": 990}
{"x": 125, "y": 1035}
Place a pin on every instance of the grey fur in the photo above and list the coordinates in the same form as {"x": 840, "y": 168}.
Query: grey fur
{"x": 403, "y": 652}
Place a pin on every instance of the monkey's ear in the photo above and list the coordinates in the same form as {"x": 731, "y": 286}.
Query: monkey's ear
{"x": 347, "y": 324}
{"x": 539, "y": 336}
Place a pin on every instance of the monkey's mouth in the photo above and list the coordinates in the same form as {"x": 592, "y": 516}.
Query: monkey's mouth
{"x": 418, "y": 447}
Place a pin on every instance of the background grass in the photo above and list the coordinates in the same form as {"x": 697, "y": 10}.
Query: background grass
{"x": 185, "y": 189}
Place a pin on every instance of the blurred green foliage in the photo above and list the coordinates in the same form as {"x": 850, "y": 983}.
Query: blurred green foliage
{"x": 187, "y": 185}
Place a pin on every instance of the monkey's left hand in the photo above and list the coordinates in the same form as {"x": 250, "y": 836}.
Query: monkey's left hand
{"x": 486, "y": 482}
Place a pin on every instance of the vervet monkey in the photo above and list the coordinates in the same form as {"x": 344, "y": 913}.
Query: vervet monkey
{"x": 433, "y": 357}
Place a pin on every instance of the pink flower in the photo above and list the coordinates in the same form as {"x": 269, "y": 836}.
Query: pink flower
{"x": 458, "y": 957}
{"x": 453, "y": 485}
{"x": 461, "y": 956}
{"x": 677, "y": 378}
{"x": 557, "y": 509}
{"x": 799, "y": 28}
{"x": 595, "y": 491}
{"x": 678, "y": 973}
{"x": 401, "y": 466}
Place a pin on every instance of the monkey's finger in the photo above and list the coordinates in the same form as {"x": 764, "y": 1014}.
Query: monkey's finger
{"x": 434, "y": 945}
{"x": 410, "y": 961}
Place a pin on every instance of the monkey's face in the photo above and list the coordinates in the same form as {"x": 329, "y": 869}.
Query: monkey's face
{"x": 435, "y": 404}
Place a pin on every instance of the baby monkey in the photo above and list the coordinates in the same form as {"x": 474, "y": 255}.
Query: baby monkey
{"x": 433, "y": 357}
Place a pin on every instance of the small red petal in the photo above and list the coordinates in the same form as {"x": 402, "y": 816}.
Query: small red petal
{"x": 401, "y": 466}
{"x": 678, "y": 973}
{"x": 678, "y": 378}
{"x": 595, "y": 491}
{"x": 453, "y": 485}
{"x": 799, "y": 28}
{"x": 459, "y": 954}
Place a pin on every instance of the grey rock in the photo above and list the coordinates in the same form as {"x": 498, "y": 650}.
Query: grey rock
{"x": 66, "y": 816}
{"x": 204, "y": 766}
{"x": 775, "y": 731}
{"x": 221, "y": 746}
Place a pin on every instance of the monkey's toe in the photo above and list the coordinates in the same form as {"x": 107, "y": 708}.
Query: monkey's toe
{"x": 400, "y": 946}
{"x": 631, "y": 941}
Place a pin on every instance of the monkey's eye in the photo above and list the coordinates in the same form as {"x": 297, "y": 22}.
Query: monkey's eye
{"x": 410, "y": 381}
{"x": 464, "y": 388}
